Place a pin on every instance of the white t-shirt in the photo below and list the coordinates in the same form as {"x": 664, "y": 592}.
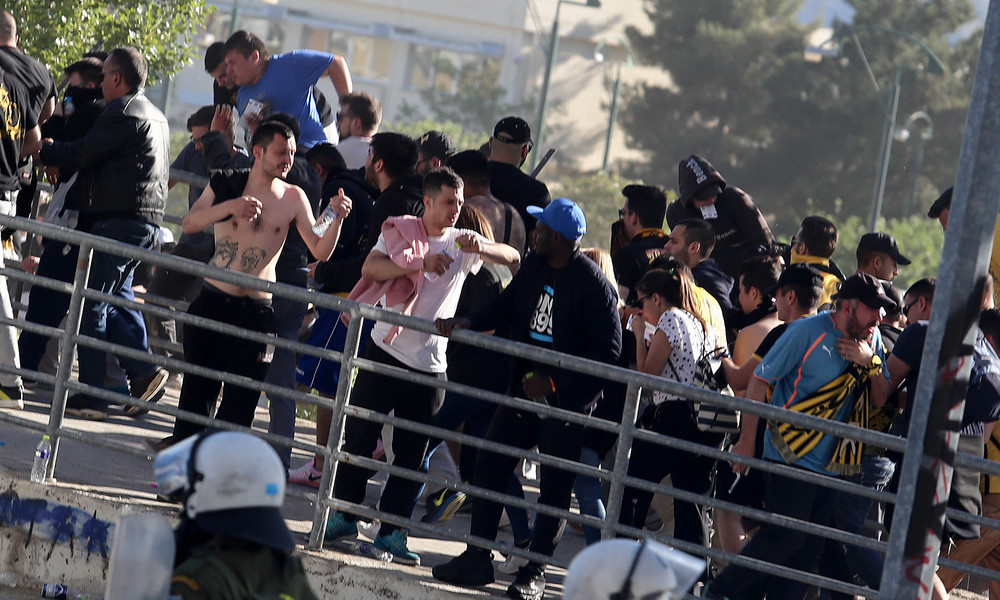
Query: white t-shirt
{"x": 687, "y": 338}
{"x": 437, "y": 299}
{"x": 355, "y": 151}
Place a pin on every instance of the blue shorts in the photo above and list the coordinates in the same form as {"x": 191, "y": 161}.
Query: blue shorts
{"x": 329, "y": 333}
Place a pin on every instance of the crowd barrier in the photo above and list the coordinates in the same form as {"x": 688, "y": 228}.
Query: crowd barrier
{"x": 614, "y": 477}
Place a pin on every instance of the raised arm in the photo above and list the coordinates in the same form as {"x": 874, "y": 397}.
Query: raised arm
{"x": 321, "y": 247}
{"x": 340, "y": 75}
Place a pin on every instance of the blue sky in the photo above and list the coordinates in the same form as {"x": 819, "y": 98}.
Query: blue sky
{"x": 837, "y": 9}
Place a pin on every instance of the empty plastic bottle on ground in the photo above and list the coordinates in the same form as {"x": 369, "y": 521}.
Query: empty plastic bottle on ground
{"x": 42, "y": 453}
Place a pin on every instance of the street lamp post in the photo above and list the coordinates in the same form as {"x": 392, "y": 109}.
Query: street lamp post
{"x": 934, "y": 66}
{"x": 616, "y": 90}
{"x": 543, "y": 103}
{"x": 903, "y": 134}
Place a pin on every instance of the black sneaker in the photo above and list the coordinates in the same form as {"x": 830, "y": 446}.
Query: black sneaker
{"x": 86, "y": 407}
{"x": 443, "y": 507}
{"x": 148, "y": 389}
{"x": 529, "y": 585}
{"x": 474, "y": 567}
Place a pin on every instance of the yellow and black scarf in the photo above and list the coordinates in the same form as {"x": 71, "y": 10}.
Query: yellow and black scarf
{"x": 854, "y": 385}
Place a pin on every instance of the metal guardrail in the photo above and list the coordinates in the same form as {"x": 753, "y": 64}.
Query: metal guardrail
{"x": 349, "y": 360}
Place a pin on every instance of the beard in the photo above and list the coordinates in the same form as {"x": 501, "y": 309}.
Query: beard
{"x": 858, "y": 329}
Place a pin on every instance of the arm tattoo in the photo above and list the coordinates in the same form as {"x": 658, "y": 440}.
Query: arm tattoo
{"x": 225, "y": 252}
{"x": 252, "y": 258}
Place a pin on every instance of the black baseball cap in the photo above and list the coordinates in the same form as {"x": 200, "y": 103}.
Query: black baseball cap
{"x": 941, "y": 204}
{"x": 512, "y": 130}
{"x": 882, "y": 242}
{"x": 437, "y": 144}
{"x": 797, "y": 274}
{"x": 867, "y": 289}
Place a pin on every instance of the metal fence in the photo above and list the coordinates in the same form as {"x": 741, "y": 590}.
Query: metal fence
{"x": 616, "y": 477}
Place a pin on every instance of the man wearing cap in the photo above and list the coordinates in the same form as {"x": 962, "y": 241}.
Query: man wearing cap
{"x": 642, "y": 223}
{"x": 879, "y": 256}
{"x": 357, "y": 121}
{"x": 829, "y": 366}
{"x": 509, "y": 146}
{"x": 738, "y": 225}
{"x": 435, "y": 147}
{"x": 559, "y": 300}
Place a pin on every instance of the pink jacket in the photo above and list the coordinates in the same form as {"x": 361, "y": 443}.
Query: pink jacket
{"x": 406, "y": 243}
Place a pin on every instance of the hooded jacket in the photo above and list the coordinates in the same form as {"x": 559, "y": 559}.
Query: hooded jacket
{"x": 738, "y": 225}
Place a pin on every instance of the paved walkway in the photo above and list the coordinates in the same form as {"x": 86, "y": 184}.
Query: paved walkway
{"x": 127, "y": 477}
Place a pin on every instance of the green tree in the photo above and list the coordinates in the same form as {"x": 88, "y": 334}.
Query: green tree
{"x": 788, "y": 130}
{"x": 58, "y": 32}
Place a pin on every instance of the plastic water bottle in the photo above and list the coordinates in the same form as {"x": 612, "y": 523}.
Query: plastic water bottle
{"x": 326, "y": 218}
{"x": 451, "y": 253}
{"x": 61, "y": 592}
{"x": 68, "y": 107}
{"x": 42, "y": 453}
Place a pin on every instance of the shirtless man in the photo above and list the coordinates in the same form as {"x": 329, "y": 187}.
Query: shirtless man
{"x": 250, "y": 230}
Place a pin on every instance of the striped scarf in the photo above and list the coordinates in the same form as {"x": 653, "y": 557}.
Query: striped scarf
{"x": 854, "y": 386}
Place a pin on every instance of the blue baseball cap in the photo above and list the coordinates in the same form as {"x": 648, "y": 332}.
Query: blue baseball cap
{"x": 564, "y": 216}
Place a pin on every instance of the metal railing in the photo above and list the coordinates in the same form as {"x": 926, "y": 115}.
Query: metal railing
{"x": 617, "y": 478}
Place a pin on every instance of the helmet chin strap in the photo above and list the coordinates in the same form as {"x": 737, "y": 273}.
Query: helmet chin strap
{"x": 626, "y": 592}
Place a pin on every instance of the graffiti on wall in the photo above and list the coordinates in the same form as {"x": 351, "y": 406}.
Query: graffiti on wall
{"x": 58, "y": 524}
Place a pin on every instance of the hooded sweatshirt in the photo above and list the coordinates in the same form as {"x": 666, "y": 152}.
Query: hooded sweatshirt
{"x": 735, "y": 219}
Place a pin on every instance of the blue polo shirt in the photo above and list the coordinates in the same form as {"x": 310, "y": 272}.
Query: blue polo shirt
{"x": 804, "y": 359}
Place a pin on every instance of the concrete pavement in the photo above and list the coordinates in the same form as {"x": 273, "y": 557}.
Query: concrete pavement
{"x": 89, "y": 475}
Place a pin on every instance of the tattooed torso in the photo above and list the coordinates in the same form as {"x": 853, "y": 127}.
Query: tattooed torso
{"x": 252, "y": 247}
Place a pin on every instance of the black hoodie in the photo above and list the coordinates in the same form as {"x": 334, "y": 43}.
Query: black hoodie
{"x": 736, "y": 221}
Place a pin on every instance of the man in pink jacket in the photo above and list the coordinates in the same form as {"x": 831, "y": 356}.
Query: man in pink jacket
{"x": 421, "y": 272}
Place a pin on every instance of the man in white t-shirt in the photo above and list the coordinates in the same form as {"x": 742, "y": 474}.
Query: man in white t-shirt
{"x": 357, "y": 121}
{"x": 438, "y": 275}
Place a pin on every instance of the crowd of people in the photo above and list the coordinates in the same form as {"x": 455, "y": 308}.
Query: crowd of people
{"x": 315, "y": 196}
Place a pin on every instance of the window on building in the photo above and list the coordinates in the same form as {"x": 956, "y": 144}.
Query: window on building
{"x": 369, "y": 57}
{"x": 270, "y": 32}
{"x": 449, "y": 71}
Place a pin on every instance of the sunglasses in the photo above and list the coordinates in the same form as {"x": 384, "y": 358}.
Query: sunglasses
{"x": 637, "y": 303}
{"x": 907, "y": 307}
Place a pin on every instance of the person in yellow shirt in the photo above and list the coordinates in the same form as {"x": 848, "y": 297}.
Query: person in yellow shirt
{"x": 941, "y": 208}
{"x": 813, "y": 244}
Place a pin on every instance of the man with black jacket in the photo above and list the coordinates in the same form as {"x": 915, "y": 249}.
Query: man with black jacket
{"x": 559, "y": 300}
{"x": 390, "y": 168}
{"x": 509, "y": 146}
{"x": 124, "y": 165}
{"x": 735, "y": 219}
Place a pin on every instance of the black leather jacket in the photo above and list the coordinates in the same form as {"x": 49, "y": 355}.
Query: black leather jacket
{"x": 124, "y": 162}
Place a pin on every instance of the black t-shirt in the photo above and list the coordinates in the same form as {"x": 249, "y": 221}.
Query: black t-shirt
{"x": 632, "y": 261}
{"x": 510, "y": 184}
{"x": 25, "y": 94}
{"x": 768, "y": 342}
{"x": 540, "y": 329}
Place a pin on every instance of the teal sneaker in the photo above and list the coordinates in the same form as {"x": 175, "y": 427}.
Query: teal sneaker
{"x": 338, "y": 528}
{"x": 395, "y": 544}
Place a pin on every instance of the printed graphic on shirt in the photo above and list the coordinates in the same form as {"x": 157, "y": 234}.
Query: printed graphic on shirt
{"x": 541, "y": 321}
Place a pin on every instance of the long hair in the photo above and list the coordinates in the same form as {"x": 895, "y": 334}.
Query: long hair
{"x": 603, "y": 260}
{"x": 472, "y": 218}
{"x": 673, "y": 281}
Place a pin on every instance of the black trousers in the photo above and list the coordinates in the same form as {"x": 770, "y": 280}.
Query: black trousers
{"x": 410, "y": 401}
{"x": 224, "y": 353}
{"x": 525, "y": 430}
{"x": 688, "y": 472}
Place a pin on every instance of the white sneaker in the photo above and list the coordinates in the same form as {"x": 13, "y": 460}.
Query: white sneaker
{"x": 306, "y": 474}
{"x": 369, "y": 529}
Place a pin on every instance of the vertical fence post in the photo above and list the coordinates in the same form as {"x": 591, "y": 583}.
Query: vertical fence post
{"x": 625, "y": 436}
{"x": 915, "y": 541}
{"x": 65, "y": 369}
{"x": 345, "y": 385}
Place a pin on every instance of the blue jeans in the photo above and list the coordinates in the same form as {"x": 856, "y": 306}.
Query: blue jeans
{"x": 588, "y": 492}
{"x": 845, "y": 561}
{"x": 113, "y": 275}
{"x": 288, "y": 315}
